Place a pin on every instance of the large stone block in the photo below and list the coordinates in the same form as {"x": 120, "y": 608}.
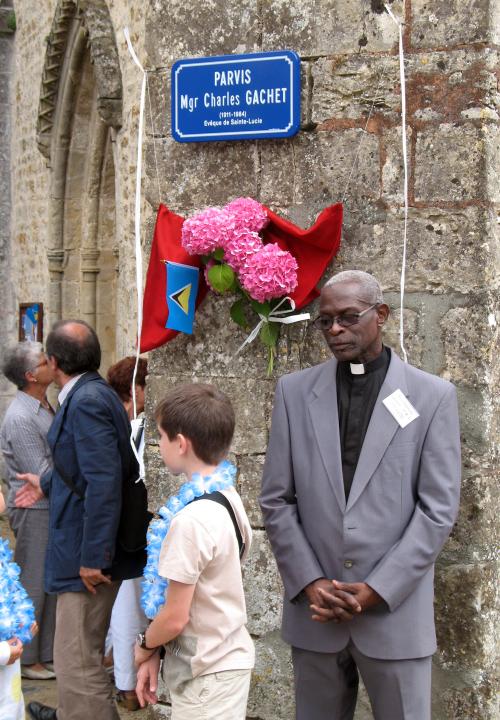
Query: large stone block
{"x": 445, "y": 249}
{"x": 263, "y": 588}
{"x": 444, "y": 23}
{"x": 467, "y": 596}
{"x": 475, "y": 535}
{"x": 174, "y": 30}
{"x": 449, "y": 86}
{"x": 449, "y": 164}
{"x": 250, "y": 398}
{"x": 319, "y": 168}
{"x": 271, "y": 690}
{"x": 327, "y": 27}
{"x": 249, "y": 481}
{"x": 468, "y": 341}
{"x": 348, "y": 87}
{"x": 195, "y": 175}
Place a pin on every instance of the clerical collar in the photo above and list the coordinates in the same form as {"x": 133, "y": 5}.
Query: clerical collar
{"x": 364, "y": 368}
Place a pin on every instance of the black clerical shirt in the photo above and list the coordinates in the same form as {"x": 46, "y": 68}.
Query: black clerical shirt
{"x": 356, "y": 397}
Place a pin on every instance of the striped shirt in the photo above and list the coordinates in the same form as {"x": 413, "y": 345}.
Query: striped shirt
{"x": 23, "y": 439}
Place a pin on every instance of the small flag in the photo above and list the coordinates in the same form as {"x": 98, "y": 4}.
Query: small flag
{"x": 182, "y": 289}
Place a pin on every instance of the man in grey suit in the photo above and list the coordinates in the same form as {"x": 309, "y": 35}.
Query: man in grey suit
{"x": 360, "y": 491}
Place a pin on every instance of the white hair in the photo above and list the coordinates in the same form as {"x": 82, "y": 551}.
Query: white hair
{"x": 369, "y": 285}
{"x": 19, "y": 360}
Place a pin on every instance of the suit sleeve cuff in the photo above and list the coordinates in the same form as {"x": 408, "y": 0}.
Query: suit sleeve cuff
{"x": 45, "y": 483}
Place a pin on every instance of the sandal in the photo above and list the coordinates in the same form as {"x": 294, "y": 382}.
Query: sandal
{"x": 127, "y": 699}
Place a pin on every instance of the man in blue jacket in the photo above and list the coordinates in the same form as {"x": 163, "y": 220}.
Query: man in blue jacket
{"x": 90, "y": 444}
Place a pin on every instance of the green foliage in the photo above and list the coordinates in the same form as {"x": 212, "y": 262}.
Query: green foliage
{"x": 221, "y": 278}
{"x": 237, "y": 312}
{"x": 269, "y": 334}
{"x": 219, "y": 254}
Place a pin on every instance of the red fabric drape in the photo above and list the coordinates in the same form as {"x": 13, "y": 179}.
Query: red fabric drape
{"x": 312, "y": 248}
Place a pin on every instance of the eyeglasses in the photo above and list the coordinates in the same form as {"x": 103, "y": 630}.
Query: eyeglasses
{"x": 326, "y": 322}
{"x": 41, "y": 364}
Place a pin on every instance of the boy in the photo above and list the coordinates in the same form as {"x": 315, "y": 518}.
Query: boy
{"x": 209, "y": 653}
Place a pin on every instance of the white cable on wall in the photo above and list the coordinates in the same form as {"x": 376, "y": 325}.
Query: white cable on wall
{"x": 405, "y": 164}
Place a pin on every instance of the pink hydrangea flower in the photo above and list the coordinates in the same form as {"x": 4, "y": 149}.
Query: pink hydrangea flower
{"x": 240, "y": 246}
{"x": 206, "y": 231}
{"x": 269, "y": 273}
{"x": 248, "y": 213}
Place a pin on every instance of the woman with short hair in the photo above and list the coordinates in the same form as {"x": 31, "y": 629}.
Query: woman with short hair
{"x": 23, "y": 440}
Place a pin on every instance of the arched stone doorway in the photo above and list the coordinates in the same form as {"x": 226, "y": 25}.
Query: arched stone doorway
{"x": 79, "y": 113}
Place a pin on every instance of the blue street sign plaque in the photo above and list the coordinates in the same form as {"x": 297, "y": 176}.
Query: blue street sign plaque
{"x": 236, "y": 97}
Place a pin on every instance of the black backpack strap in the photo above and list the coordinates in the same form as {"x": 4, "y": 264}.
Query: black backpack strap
{"x": 221, "y": 499}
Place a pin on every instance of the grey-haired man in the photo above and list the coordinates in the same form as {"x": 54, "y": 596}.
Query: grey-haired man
{"x": 360, "y": 491}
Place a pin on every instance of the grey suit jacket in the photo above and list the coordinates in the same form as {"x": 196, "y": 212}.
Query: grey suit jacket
{"x": 402, "y": 506}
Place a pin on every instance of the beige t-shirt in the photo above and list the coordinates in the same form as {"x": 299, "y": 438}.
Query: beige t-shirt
{"x": 201, "y": 549}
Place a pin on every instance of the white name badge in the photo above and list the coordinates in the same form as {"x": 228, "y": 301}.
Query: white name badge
{"x": 400, "y": 408}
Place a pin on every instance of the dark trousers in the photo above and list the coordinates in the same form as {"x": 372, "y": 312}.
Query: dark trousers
{"x": 326, "y": 685}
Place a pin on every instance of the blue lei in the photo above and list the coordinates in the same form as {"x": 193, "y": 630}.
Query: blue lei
{"x": 17, "y": 613}
{"x": 154, "y": 586}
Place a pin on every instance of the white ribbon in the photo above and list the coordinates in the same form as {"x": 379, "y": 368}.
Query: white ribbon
{"x": 138, "y": 249}
{"x": 274, "y": 316}
{"x": 405, "y": 164}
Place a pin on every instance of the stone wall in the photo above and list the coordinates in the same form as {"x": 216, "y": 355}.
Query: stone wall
{"x": 348, "y": 50}
{"x": 32, "y": 172}
{"x": 7, "y": 326}
{"x": 349, "y": 64}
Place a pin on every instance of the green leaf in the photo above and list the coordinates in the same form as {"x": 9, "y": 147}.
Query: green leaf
{"x": 260, "y": 308}
{"x": 269, "y": 333}
{"x": 219, "y": 254}
{"x": 221, "y": 278}
{"x": 237, "y": 312}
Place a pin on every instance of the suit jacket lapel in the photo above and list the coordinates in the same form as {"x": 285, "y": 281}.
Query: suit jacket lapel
{"x": 57, "y": 425}
{"x": 324, "y": 417}
{"x": 381, "y": 429}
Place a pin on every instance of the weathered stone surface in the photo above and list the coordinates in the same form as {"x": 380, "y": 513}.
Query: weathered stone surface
{"x": 348, "y": 87}
{"x": 159, "y": 712}
{"x": 193, "y": 176}
{"x": 249, "y": 480}
{"x": 465, "y": 614}
{"x": 324, "y": 27}
{"x": 455, "y": 156}
{"x": 445, "y": 249}
{"x": 475, "y": 536}
{"x": 263, "y": 589}
{"x": 271, "y": 689}
{"x": 314, "y": 170}
{"x": 467, "y": 341}
{"x": 453, "y": 22}
{"x": 451, "y": 86}
{"x": 251, "y": 414}
{"x": 216, "y": 29}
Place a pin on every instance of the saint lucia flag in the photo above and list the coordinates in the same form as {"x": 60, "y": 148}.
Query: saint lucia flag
{"x": 182, "y": 289}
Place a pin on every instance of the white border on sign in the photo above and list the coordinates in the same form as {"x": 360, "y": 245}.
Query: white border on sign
{"x": 236, "y": 132}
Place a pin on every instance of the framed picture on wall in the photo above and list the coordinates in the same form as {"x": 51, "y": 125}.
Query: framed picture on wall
{"x": 31, "y": 322}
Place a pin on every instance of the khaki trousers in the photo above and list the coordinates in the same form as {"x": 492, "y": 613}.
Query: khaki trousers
{"x": 85, "y": 691}
{"x": 217, "y": 696}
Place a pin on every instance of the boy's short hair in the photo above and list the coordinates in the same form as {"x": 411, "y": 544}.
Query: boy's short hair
{"x": 203, "y": 414}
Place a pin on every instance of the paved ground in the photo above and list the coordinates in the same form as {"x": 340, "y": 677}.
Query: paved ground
{"x": 46, "y": 693}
